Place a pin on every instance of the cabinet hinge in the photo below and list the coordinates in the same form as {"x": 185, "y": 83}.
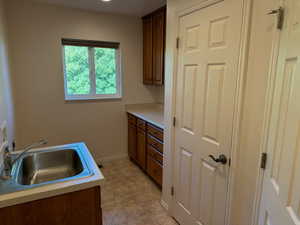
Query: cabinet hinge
{"x": 172, "y": 191}
{"x": 280, "y": 17}
{"x": 174, "y": 121}
{"x": 263, "y": 163}
{"x": 177, "y": 42}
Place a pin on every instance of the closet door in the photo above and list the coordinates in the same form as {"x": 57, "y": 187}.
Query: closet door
{"x": 207, "y": 78}
{"x": 280, "y": 200}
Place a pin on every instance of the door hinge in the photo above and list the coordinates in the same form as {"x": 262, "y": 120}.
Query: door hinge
{"x": 174, "y": 121}
{"x": 280, "y": 17}
{"x": 172, "y": 191}
{"x": 263, "y": 163}
{"x": 177, "y": 42}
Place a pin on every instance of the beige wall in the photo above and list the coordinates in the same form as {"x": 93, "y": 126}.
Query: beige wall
{"x": 6, "y": 107}
{"x": 35, "y": 31}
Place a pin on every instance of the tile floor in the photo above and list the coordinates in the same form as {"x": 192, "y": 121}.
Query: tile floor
{"x": 129, "y": 197}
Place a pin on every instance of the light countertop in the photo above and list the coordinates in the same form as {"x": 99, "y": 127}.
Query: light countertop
{"x": 152, "y": 113}
{"x": 46, "y": 191}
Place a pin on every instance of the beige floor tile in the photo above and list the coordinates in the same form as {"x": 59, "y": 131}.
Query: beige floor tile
{"x": 129, "y": 197}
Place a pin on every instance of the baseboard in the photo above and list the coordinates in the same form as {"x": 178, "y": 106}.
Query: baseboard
{"x": 111, "y": 158}
{"x": 164, "y": 205}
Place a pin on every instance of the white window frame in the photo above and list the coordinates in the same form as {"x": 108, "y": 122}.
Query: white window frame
{"x": 93, "y": 95}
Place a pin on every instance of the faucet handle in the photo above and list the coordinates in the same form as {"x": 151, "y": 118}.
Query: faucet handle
{"x": 6, "y": 150}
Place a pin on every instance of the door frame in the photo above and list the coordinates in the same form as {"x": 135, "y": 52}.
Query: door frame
{"x": 181, "y": 10}
{"x": 271, "y": 84}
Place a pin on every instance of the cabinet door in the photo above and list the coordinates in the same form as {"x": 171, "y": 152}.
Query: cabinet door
{"x": 132, "y": 142}
{"x": 147, "y": 50}
{"x": 76, "y": 208}
{"x": 154, "y": 169}
{"x": 158, "y": 47}
{"x": 141, "y": 148}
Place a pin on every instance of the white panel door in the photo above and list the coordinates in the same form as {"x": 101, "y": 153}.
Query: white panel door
{"x": 205, "y": 101}
{"x": 280, "y": 204}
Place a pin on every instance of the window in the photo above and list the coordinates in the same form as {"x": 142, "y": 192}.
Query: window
{"x": 91, "y": 69}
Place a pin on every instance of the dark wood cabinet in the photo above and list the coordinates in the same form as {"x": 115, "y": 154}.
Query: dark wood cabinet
{"x": 141, "y": 148}
{"x": 154, "y": 30}
{"x": 147, "y": 50}
{"x": 154, "y": 169}
{"x": 158, "y": 47}
{"x": 145, "y": 147}
{"x": 76, "y": 208}
{"x": 155, "y": 154}
{"x": 132, "y": 141}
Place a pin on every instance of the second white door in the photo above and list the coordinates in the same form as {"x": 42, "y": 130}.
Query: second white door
{"x": 280, "y": 203}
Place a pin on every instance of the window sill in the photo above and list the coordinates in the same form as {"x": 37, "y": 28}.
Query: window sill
{"x": 89, "y": 98}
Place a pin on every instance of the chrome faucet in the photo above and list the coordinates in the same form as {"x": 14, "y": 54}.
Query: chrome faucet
{"x": 9, "y": 162}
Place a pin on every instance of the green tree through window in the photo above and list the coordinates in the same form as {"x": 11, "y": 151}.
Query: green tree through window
{"x": 105, "y": 62}
{"x": 77, "y": 70}
{"x": 90, "y": 71}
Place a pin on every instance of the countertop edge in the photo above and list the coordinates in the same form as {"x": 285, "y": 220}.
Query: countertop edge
{"x": 143, "y": 117}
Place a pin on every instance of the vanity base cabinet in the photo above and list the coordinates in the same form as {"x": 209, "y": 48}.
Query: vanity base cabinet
{"x": 76, "y": 208}
{"x": 146, "y": 141}
{"x": 141, "y": 148}
{"x": 132, "y": 142}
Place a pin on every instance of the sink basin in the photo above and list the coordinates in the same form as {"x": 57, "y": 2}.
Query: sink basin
{"x": 64, "y": 165}
{"x": 41, "y": 167}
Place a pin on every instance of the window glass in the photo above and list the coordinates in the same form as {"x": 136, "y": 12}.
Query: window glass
{"x": 105, "y": 70}
{"x": 91, "y": 69}
{"x": 77, "y": 70}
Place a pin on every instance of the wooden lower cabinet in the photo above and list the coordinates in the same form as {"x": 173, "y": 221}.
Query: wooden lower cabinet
{"x": 132, "y": 139}
{"x": 154, "y": 154}
{"x": 141, "y": 148}
{"x": 154, "y": 169}
{"x": 145, "y": 147}
{"x": 76, "y": 208}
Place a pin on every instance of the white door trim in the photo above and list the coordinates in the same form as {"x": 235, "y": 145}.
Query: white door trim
{"x": 241, "y": 70}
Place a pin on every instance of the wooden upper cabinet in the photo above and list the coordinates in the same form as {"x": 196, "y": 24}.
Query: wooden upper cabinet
{"x": 154, "y": 30}
{"x": 147, "y": 50}
{"x": 158, "y": 47}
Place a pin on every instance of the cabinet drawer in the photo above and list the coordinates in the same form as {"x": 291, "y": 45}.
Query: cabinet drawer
{"x": 155, "y": 143}
{"x": 141, "y": 124}
{"x": 153, "y": 153}
{"x": 155, "y": 170}
{"x": 156, "y": 132}
{"x": 131, "y": 119}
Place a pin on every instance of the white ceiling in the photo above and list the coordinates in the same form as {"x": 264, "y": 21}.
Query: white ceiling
{"x": 128, "y": 7}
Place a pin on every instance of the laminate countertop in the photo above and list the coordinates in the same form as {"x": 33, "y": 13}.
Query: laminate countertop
{"x": 152, "y": 113}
